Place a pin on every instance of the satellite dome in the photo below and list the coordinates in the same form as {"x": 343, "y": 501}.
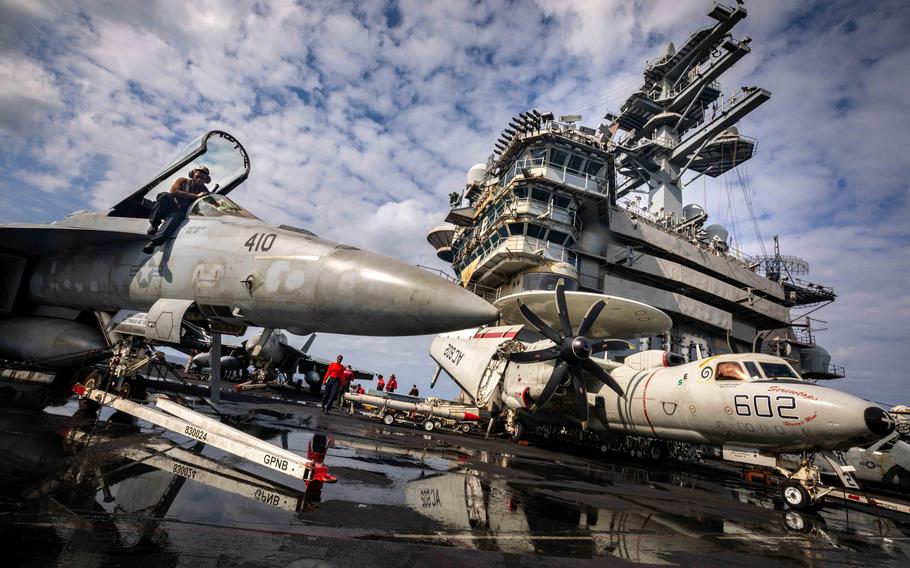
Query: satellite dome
{"x": 719, "y": 231}
{"x": 692, "y": 210}
{"x": 814, "y": 359}
{"x": 475, "y": 174}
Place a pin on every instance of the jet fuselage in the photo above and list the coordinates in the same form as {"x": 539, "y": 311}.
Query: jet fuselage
{"x": 246, "y": 270}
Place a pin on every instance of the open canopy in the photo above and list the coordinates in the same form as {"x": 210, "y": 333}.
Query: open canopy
{"x": 221, "y": 153}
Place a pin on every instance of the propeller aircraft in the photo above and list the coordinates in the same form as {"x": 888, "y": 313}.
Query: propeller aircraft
{"x": 546, "y": 371}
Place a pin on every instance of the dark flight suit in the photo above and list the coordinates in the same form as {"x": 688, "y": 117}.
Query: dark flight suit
{"x": 170, "y": 210}
{"x": 332, "y": 384}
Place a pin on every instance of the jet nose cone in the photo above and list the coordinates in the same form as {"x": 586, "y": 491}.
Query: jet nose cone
{"x": 368, "y": 294}
{"x": 878, "y": 421}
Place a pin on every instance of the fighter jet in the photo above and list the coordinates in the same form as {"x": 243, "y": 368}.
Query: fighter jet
{"x": 549, "y": 374}
{"x": 62, "y": 284}
{"x": 275, "y": 359}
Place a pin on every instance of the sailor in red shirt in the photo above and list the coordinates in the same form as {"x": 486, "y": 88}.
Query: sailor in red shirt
{"x": 347, "y": 377}
{"x": 380, "y": 384}
{"x": 392, "y": 384}
{"x": 332, "y": 384}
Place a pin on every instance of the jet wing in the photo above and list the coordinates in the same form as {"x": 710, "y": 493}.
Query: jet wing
{"x": 290, "y": 358}
{"x": 35, "y": 240}
{"x": 363, "y": 375}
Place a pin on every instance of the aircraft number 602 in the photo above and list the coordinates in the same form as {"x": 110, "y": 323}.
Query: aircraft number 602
{"x": 762, "y": 406}
{"x": 260, "y": 242}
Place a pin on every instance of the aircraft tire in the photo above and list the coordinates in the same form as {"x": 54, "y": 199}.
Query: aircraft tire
{"x": 465, "y": 428}
{"x": 519, "y": 433}
{"x": 428, "y": 425}
{"x": 658, "y": 451}
{"x": 388, "y": 419}
{"x": 795, "y": 495}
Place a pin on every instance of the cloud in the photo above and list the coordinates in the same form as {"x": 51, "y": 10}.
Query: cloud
{"x": 360, "y": 118}
{"x": 29, "y": 95}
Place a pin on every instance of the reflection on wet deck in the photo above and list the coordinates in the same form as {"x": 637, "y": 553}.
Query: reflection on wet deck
{"x": 80, "y": 492}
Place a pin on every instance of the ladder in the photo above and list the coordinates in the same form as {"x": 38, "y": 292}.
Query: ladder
{"x": 171, "y": 416}
{"x": 843, "y": 471}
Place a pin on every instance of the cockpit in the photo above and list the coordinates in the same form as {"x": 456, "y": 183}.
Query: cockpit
{"x": 228, "y": 165}
{"x": 755, "y": 368}
{"x": 218, "y": 206}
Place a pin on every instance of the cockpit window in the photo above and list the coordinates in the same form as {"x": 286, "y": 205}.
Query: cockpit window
{"x": 219, "y": 206}
{"x": 753, "y": 371}
{"x": 731, "y": 371}
{"x": 778, "y": 371}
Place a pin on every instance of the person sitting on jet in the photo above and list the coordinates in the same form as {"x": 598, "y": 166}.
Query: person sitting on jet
{"x": 170, "y": 207}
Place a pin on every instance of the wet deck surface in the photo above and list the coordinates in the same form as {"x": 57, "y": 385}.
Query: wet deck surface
{"x": 76, "y": 493}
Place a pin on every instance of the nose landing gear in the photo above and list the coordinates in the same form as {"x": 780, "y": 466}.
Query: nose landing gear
{"x": 795, "y": 495}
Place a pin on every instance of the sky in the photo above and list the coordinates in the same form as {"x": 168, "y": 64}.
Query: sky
{"x": 360, "y": 118}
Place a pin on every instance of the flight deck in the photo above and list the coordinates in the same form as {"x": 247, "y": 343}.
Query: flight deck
{"x": 80, "y": 492}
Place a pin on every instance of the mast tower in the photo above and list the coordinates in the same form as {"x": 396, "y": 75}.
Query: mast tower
{"x": 559, "y": 200}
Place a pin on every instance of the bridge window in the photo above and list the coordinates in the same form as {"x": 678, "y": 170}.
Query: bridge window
{"x": 540, "y": 195}
{"x": 558, "y": 157}
{"x": 546, "y": 281}
{"x": 520, "y": 191}
{"x": 535, "y": 231}
{"x": 593, "y": 167}
{"x": 516, "y": 229}
{"x": 561, "y": 201}
{"x": 557, "y": 237}
{"x": 731, "y": 371}
{"x": 575, "y": 162}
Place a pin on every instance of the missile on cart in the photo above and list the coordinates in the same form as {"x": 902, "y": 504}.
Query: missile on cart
{"x": 417, "y": 406}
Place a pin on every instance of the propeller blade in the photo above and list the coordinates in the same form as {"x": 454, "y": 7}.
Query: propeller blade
{"x": 546, "y": 354}
{"x": 603, "y": 376}
{"x": 602, "y": 344}
{"x": 581, "y": 397}
{"x": 559, "y": 373}
{"x": 541, "y": 326}
{"x": 562, "y": 309}
{"x": 590, "y": 316}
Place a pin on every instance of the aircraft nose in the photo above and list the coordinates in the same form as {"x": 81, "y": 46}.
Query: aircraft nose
{"x": 878, "y": 421}
{"x": 369, "y": 294}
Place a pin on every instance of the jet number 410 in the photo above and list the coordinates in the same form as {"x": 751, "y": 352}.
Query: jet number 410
{"x": 260, "y": 242}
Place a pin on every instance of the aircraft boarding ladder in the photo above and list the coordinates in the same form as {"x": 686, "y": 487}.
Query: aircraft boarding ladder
{"x": 186, "y": 422}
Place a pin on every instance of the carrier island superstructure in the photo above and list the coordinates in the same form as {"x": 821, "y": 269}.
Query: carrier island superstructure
{"x": 606, "y": 210}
